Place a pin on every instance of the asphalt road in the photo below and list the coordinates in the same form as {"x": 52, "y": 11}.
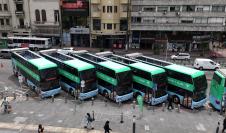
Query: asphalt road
{"x": 71, "y": 114}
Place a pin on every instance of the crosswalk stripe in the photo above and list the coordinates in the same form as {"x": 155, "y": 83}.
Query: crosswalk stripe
{"x": 32, "y": 127}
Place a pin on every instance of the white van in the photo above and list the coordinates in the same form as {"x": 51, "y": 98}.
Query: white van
{"x": 201, "y": 64}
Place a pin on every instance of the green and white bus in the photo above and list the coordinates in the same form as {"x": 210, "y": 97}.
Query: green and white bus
{"x": 186, "y": 85}
{"x": 37, "y": 72}
{"x": 114, "y": 80}
{"x": 148, "y": 81}
{"x": 72, "y": 72}
{"x": 218, "y": 89}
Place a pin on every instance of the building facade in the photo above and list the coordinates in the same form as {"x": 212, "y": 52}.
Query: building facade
{"x": 182, "y": 24}
{"x": 45, "y": 19}
{"x": 109, "y": 23}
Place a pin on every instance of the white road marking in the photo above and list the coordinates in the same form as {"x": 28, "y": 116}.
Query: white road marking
{"x": 200, "y": 127}
{"x": 40, "y": 115}
{"x": 18, "y": 120}
{"x": 146, "y": 127}
{"x": 162, "y": 119}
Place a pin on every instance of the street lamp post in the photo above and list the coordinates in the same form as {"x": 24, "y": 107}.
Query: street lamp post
{"x": 134, "y": 124}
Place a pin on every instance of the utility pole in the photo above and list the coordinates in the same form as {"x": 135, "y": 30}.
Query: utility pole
{"x": 90, "y": 25}
{"x": 60, "y": 22}
{"x": 128, "y": 26}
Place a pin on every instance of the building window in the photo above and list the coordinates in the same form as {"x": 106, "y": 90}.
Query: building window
{"x": 5, "y": 7}
{"x": 218, "y": 8}
{"x": 124, "y": 8}
{"x": 7, "y": 21}
{"x": 43, "y": 16}
{"x": 109, "y": 26}
{"x": 115, "y": 9}
{"x": 186, "y": 21}
{"x": 201, "y": 20}
{"x": 136, "y": 19}
{"x": 0, "y": 7}
{"x": 174, "y": 8}
{"x": 114, "y": 26}
{"x": 149, "y": 9}
{"x": 96, "y": 24}
{"x": 215, "y": 20}
{"x": 19, "y": 7}
{"x": 56, "y": 16}
{"x": 123, "y": 25}
{"x": 2, "y": 21}
{"x": 162, "y": 9}
{"x": 37, "y": 15}
{"x": 21, "y": 21}
{"x": 188, "y": 8}
{"x": 103, "y": 8}
{"x": 104, "y": 26}
{"x": 109, "y": 9}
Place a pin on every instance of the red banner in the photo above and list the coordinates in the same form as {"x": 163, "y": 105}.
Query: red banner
{"x": 78, "y": 5}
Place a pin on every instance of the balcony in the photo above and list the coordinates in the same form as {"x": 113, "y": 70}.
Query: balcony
{"x": 95, "y": 1}
{"x": 19, "y": 13}
{"x": 18, "y": 1}
{"x": 123, "y": 14}
{"x": 41, "y": 23}
{"x": 123, "y": 1}
{"x": 51, "y": 31}
{"x": 96, "y": 14}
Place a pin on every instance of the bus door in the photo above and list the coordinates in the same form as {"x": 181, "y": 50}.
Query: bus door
{"x": 147, "y": 94}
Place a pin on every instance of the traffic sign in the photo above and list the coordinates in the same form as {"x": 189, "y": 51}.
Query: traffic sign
{"x": 82, "y": 83}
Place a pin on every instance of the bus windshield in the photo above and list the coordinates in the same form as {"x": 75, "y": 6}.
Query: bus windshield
{"x": 48, "y": 74}
{"x": 49, "y": 85}
{"x": 124, "y": 82}
{"x": 200, "y": 84}
{"x": 90, "y": 79}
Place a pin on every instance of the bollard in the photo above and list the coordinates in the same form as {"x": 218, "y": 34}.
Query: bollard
{"x": 65, "y": 99}
{"x": 105, "y": 101}
{"x": 163, "y": 106}
{"x": 134, "y": 104}
{"x": 93, "y": 116}
{"x": 178, "y": 106}
{"x": 14, "y": 95}
{"x": 134, "y": 124}
{"x": 52, "y": 98}
{"x": 121, "y": 121}
{"x": 27, "y": 97}
{"x": 92, "y": 101}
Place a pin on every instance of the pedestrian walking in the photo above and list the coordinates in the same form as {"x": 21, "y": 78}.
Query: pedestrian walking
{"x": 224, "y": 125}
{"x": 170, "y": 104}
{"x": 40, "y": 128}
{"x": 218, "y": 126}
{"x": 5, "y": 103}
{"x": 107, "y": 128}
{"x": 89, "y": 121}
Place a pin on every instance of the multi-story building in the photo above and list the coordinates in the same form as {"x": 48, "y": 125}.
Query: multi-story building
{"x": 5, "y": 18}
{"x": 45, "y": 19}
{"x": 185, "y": 24}
{"x": 109, "y": 23}
{"x": 75, "y": 22}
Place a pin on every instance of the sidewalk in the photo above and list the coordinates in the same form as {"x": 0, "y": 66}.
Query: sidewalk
{"x": 32, "y": 128}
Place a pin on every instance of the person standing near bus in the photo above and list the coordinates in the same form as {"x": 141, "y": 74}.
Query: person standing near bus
{"x": 170, "y": 104}
{"x": 5, "y": 103}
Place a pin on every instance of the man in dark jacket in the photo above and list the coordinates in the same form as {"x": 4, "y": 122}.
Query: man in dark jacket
{"x": 106, "y": 127}
{"x": 224, "y": 125}
{"x": 170, "y": 102}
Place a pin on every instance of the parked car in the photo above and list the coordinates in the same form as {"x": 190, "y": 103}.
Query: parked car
{"x": 201, "y": 63}
{"x": 66, "y": 50}
{"x": 181, "y": 56}
{"x": 5, "y": 53}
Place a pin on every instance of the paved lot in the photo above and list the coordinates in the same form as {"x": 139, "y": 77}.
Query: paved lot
{"x": 59, "y": 116}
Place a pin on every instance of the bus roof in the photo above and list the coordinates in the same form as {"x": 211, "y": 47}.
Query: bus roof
{"x": 78, "y": 64}
{"x": 114, "y": 66}
{"x": 148, "y": 68}
{"x": 29, "y": 38}
{"x": 186, "y": 70}
{"x": 42, "y": 63}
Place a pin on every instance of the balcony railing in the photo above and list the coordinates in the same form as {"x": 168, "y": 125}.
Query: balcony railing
{"x": 19, "y": 12}
{"x": 18, "y": 1}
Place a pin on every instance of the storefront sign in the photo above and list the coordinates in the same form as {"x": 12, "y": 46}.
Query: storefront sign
{"x": 79, "y": 30}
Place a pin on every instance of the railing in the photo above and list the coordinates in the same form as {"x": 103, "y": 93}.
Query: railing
{"x": 19, "y": 12}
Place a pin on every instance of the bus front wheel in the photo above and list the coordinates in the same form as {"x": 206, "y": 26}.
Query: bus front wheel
{"x": 176, "y": 100}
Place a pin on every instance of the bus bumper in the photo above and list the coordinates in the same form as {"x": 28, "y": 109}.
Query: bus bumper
{"x": 198, "y": 104}
{"x": 86, "y": 95}
{"x": 49, "y": 93}
{"x": 214, "y": 103}
{"x": 124, "y": 97}
{"x": 155, "y": 101}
